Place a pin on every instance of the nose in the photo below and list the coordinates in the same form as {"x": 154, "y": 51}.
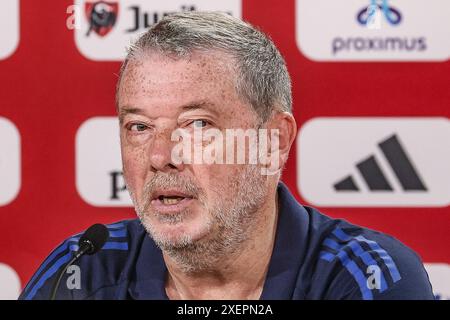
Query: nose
{"x": 160, "y": 154}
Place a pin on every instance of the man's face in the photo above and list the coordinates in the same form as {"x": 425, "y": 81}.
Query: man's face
{"x": 183, "y": 205}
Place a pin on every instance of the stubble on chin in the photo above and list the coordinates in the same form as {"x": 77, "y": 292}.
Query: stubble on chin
{"x": 224, "y": 232}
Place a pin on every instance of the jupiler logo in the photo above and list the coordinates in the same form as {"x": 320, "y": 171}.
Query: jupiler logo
{"x": 105, "y": 28}
{"x": 102, "y": 16}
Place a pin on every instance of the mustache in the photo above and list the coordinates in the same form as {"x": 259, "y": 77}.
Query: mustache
{"x": 161, "y": 180}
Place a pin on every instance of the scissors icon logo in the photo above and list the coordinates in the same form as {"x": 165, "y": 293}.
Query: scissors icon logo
{"x": 367, "y": 15}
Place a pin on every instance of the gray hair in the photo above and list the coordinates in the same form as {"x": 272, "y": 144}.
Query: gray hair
{"x": 262, "y": 80}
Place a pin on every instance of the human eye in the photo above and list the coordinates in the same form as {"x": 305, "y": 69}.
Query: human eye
{"x": 200, "y": 123}
{"x": 136, "y": 127}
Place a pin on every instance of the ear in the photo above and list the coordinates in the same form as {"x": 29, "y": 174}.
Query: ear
{"x": 284, "y": 124}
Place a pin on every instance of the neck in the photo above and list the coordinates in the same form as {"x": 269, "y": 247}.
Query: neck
{"x": 240, "y": 275}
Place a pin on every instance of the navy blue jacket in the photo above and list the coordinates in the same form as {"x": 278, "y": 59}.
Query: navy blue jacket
{"x": 314, "y": 257}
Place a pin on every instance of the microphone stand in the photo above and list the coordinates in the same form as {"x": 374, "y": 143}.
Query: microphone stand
{"x": 85, "y": 247}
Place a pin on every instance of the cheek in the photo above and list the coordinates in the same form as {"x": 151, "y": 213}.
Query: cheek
{"x": 217, "y": 180}
{"x": 134, "y": 168}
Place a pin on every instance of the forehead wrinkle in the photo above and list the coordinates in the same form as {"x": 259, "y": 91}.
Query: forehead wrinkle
{"x": 191, "y": 106}
{"x": 200, "y": 73}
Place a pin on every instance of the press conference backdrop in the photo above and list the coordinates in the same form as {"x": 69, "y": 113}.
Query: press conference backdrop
{"x": 371, "y": 89}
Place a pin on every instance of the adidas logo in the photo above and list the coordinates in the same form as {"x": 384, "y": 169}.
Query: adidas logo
{"x": 373, "y": 175}
{"x": 374, "y": 162}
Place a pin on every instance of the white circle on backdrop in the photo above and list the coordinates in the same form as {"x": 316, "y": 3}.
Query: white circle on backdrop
{"x": 9, "y": 283}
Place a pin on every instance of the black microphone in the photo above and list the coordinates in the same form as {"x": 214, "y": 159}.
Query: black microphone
{"x": 90, "y": 243}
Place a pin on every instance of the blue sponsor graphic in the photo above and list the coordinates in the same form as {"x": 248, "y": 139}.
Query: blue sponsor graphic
{"x": 378, "y": 42}
{"x": 367, "y": 15}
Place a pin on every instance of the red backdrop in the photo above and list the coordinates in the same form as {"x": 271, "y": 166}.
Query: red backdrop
{"x": 48, "y": 89}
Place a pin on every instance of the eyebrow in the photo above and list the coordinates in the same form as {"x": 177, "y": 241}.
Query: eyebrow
{"x": 129, "y": 110}
{"x": 199, "y": 105}
{"x": 195, "y": 105}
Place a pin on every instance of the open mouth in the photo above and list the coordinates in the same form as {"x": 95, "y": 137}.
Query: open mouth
{"x": 169, "y": 198}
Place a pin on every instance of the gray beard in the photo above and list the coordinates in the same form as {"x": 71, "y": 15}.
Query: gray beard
{"x": 228, "y": 229}
{"x": 205, "y": 255}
